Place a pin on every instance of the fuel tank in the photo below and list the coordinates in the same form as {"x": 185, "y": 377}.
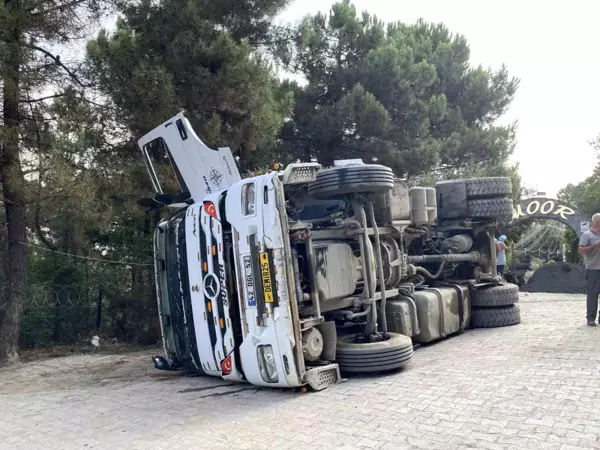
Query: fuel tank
{"x": 442, "y": 311}
{"x": 401, "y": 316}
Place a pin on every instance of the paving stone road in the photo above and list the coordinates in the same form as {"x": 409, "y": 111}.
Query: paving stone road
{"x": 533, "y": 386}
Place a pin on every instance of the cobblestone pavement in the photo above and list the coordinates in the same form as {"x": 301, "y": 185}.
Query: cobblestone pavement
{"x": 533, "y": 386}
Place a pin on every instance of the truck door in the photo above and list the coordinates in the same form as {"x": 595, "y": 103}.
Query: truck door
{"x": 178, "y": 162}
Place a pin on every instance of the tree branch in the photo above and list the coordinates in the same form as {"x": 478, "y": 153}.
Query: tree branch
{"x": 59, "y": 7}
{"x": 56, "y": 59}
{"x": 38, "y": 206}
{"x": 40, "y": 233}
{"x": 36, "y": 100}
{"x": 99, "y": 105}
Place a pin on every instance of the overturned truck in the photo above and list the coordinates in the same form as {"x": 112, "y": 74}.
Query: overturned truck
{"x": 300, "y": 275}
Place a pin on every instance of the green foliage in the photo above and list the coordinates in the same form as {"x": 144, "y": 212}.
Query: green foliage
{"x": 31, "y": 33}
{"x": 585, "y": 195}
{"x": 405, "y": 96}
{"x": 570, "y": 239}
{"x": 537, "y": 263}
{"x": 86, "y": 174}
{"x": 197, "y": 56}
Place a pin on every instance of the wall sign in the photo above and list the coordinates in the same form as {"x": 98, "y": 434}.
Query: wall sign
{"x": 550, "y": 208}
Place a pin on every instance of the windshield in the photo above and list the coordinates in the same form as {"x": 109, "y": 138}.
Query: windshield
{"x": 165, "y": 176}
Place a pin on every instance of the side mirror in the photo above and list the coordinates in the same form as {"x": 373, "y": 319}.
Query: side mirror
{"x": 149, "y": 203}
{"x": 169, "y": 199}
{"x": 161, "y": 363}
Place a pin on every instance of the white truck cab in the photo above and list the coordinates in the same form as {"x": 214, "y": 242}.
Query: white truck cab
{"x": 285, "y": 278}
{"x": 221, "y": 272}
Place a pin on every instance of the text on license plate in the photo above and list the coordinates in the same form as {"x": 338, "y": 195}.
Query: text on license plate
{"x": 265, "y": 273}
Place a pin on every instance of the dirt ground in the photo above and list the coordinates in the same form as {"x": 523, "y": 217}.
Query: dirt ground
{"x": 79, "y": 371}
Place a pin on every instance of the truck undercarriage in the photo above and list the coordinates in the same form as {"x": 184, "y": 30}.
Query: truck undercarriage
{"x": 294, "y": 277}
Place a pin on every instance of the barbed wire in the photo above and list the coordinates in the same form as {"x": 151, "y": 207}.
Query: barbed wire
{"x": 65, "y": 296}
{"x": 43, "y": 296}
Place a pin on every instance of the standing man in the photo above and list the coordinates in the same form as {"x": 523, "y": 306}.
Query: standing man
{"x": 589, "y": 247}
{"x": 501, "y": 248}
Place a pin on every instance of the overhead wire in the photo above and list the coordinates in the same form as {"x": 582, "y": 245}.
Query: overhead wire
{"x": 89, "y": 258}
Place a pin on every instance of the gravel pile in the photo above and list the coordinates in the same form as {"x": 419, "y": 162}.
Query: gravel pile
{"x": 559, "y": 278}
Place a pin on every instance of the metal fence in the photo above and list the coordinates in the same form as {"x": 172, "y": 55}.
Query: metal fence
{"x": 72, "y": 314}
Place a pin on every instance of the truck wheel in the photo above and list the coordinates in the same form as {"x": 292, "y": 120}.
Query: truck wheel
{"x": 502, "y": 316}
{"x": 490, "y": 187}
{"x": 339, "y": 181}
{"x": 503, "y": 295}
{"x": 455, "y": 196}
{"x": 356, "y": 357}
{"x": 490, "y": 208}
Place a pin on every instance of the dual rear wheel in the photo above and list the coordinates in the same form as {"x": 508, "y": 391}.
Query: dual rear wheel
{"x": 479, "y": 199}
{"x": 496, "y": 306}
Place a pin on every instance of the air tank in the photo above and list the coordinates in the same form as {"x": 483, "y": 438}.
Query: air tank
{"x": 423, "y": 206}
{"x": 461, "y": 243}
{"x": 418, "y": 206}
{"x": 431, "y": 205}
{"x": 399, "y": 202}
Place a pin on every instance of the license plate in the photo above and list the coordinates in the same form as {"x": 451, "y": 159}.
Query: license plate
{"x": 265, "y": 273}
{"x": 249, "y": 276}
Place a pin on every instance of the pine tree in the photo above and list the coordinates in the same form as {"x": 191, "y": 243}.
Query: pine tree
{"x": 30, "y": 33}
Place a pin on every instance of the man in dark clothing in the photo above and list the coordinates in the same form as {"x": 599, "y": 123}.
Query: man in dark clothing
{"x": 589, "y": 246}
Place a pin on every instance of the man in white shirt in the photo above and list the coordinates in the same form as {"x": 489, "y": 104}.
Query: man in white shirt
{"x": 589, "y": 247}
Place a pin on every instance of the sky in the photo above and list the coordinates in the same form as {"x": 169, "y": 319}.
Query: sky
{"x": 551, "y": 46}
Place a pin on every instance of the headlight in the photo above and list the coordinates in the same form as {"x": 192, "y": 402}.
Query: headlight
{"x": 266, "y": 363}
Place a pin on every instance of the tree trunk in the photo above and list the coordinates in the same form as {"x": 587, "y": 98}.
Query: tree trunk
{"x": 13, "y": 187}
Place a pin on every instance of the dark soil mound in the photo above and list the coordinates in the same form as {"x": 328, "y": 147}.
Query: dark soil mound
{"x": 560, "y": 278}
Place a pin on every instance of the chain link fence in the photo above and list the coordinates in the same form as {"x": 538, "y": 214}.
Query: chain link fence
{"x": 58, "y": 315}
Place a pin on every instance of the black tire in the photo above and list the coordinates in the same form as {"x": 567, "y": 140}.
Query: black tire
{"x": 339, "y": 181}
{"x": 502, "y": 316}
{"x": 490, "y": 208}
{"x": 503, "y": 295}
{"x": 353, "y": 357}
{"x": 491, "y": 187}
